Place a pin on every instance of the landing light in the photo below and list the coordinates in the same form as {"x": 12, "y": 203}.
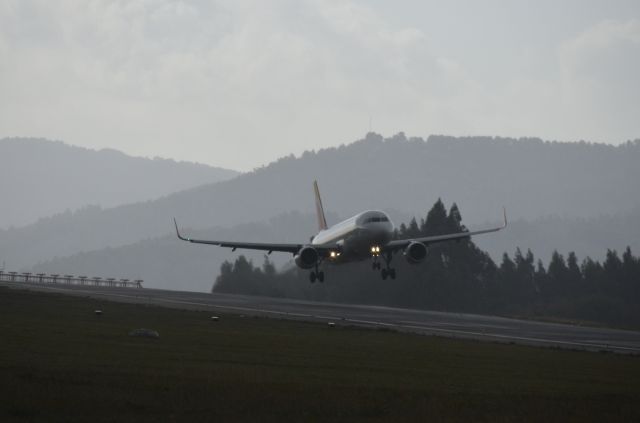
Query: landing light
{"x": 333, "y": 254}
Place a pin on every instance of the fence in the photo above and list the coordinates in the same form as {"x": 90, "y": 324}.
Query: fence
{"x": 42, "y": 278}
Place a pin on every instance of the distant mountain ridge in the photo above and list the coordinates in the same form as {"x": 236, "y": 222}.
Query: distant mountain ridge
{"x": 39, "y": 178}
{"x": 531, "y": 177}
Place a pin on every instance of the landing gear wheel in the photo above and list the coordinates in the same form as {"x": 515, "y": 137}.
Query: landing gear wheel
{"x": 392, "y": 273}
{"x": 321, "y": 276}
{"x": 312, "y": 277}
{"x": 384, "y": 274}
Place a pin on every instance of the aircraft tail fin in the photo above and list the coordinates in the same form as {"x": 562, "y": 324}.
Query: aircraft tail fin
{"x": 322, "y": 221}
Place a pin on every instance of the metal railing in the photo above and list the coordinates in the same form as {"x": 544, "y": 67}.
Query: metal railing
{"x": 42, "y": 278}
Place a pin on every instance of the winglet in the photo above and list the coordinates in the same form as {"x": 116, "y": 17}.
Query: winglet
{"x": 322, "y": 221}
{"x": 178, "y": 232}
{"x": 504, "y": 211}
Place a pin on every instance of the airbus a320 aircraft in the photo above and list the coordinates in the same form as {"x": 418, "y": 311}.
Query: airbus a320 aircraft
{"x": 365, "y": 235}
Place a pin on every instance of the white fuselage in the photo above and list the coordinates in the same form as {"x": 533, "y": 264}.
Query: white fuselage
{"x": 357, "y": 235}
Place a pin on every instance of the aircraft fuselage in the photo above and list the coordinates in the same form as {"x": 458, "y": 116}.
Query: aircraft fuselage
{"x": 356, "y": 236}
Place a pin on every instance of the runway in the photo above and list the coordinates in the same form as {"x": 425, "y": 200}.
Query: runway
{"x": 456, "y": 325}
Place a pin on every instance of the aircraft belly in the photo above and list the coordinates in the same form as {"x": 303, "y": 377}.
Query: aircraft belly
{"x": 358, "y": 244}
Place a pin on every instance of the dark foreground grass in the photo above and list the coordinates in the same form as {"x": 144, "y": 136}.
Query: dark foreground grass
{"x": 60, "y": 362}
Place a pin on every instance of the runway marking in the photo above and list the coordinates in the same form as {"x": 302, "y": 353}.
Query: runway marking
{"x": 524, "y": 338}
{"x": 365, "y": 322}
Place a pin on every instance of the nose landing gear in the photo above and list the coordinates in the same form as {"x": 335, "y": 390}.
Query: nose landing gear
{"x": 376, "y": 264}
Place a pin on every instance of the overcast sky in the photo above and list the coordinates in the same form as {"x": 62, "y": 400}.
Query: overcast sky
{"x": 240, "y": 83}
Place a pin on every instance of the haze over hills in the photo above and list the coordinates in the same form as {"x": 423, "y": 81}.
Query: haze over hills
{"x": 166, "y": 262}
{"x": 39, "y": 177}
{"x": 531, "y": 177}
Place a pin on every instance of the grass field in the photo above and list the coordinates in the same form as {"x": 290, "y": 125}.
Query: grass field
{"x": 60, "y": 362}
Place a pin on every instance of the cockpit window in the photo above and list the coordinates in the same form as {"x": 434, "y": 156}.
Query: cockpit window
{"x": 377, "y": 219}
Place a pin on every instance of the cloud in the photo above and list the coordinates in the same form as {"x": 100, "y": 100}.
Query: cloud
{"x": 124, "y": 73}
{"x": 240, "y": 83}
{"x": 599, "y": 79}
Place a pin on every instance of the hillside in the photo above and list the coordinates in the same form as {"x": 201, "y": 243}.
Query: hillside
{"x": 530, "y": 177}
{"x": 586, "y": 237}
{"x": 39, "y": 178}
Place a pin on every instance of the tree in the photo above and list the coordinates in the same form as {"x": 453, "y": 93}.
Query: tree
{"x": 556, "y": 275}
{"x": 454, "y": 220}
{"x": 268, "y": 268}
{"x": 593, "y": 275}
{"x": 459, "y": 276}
{"x": 613, "y": 272}
{"x": 523, "y": 284}
{"x": 436, "y": 221}
{"x": 630, "y": 275}
{"x": 413, "y": 231}
{"x": 540, "y": 277}
{"x": 574, "y": 275}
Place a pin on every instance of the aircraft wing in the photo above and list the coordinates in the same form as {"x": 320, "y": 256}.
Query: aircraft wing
{"x": 402, "y": 243}
{"x": 288, "y": 248}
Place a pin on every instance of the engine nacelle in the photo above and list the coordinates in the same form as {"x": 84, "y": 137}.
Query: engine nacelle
{"x": 415, "y": 252}
{"x": 307, "y": 258}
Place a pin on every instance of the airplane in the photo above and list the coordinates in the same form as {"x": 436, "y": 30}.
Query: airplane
{"x": 366, "y": 235}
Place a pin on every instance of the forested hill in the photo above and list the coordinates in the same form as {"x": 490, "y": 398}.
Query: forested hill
{"x": 532, "y": 178}
{"x": 166, "y": 262}
{"x": 39, "y": 177}
{"x": 459, "y": 276}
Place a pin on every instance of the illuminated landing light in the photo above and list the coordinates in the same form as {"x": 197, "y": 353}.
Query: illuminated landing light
{"x": 375, "y": 250}
{"x": 333, "y": 254}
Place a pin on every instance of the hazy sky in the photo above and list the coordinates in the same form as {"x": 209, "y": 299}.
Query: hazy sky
{"x": 239, "y": 83}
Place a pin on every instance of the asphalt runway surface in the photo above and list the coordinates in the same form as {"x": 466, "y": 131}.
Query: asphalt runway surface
{"x": 456, "y": 325}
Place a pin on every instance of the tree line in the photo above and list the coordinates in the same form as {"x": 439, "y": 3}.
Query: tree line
{"x": 458, "y": 276}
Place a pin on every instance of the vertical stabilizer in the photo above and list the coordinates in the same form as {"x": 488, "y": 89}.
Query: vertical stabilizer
{"x": 322, "y": 222}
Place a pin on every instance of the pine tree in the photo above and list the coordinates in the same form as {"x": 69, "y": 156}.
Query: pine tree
{"x": 224, "y": 278}
{"x": 436, "y": 222}
{"x": 593, "y": 275}
{"x": 413, "y": 231}
{"x": 630, "y": 277}
{"x": 574, "y": 275}
{"x": 454, "y": 220}
{"x": 268, "y": 268}
{"x": 557, "y": 275}
{"x": 612, "y": 267}
{"x": 540, "y": 277}
{"x": 524, "y": 285}
{"x": 403, "y": 231}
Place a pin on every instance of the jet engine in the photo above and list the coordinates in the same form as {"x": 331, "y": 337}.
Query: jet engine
{"x": 306, "y": 258}
{"x": 415, "y": 252}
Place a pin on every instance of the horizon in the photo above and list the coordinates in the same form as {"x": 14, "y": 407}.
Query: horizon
{"x": 205, "y": 81}
{"x": 313, "y": 150}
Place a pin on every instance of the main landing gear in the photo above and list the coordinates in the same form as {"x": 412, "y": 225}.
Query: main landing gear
{"x": 387, "y": 271}
{"x": 391, "y": 272}
{"x": 316, "y": 275}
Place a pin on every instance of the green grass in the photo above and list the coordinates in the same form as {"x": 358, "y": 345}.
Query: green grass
{"x": 60, "y": 362}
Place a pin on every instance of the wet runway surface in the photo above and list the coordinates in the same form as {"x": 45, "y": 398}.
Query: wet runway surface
{"x": 458, "y": 325}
